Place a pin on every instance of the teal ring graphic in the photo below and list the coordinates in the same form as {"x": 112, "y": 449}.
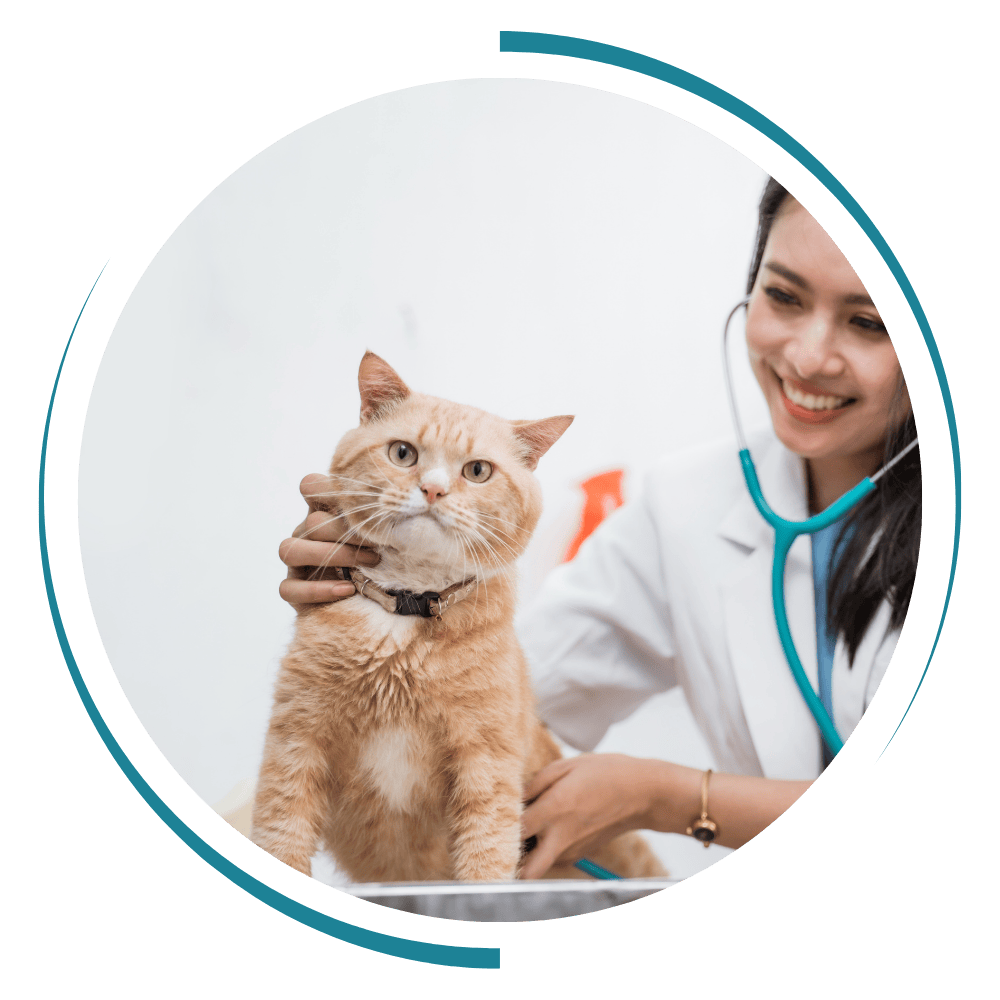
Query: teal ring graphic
{"x": 448, "y": 955}
{"x": 420, "y": 951}
{"x": 580, "y": 48}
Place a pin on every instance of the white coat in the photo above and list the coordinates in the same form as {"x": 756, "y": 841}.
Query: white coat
{"x": 675, "y": 588}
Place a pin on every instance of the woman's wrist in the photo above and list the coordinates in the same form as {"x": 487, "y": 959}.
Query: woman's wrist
{"x": 740, "y": 805}
{"x": 673, "y": 793}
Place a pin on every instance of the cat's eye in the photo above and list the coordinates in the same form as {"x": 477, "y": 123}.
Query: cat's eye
{"x": 402, "y": 453}
{"x": 477, "y": 471}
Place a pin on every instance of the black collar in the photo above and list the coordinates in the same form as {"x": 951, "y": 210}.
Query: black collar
{"x": 428, "y": 604}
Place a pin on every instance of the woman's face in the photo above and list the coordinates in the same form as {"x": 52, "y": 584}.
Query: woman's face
{"x": 818, "y": 347}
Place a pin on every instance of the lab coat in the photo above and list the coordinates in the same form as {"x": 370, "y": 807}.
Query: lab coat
{"x": 675, "y": 588}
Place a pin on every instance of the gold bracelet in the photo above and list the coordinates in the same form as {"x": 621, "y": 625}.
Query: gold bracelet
{"x": 703, "y": 827}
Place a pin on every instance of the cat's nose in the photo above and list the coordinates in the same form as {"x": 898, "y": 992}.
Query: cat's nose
{"x": 434, "y": 483}
{"x": 432, "y": 491}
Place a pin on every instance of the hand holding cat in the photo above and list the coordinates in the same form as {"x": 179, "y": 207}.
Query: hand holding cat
{"x": 315, "y": 550}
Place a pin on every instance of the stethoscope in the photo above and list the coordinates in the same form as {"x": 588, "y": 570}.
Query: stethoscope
{"x": 785, "y": 533}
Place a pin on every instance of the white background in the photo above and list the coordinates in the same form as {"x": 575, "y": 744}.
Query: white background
{"x": 526, "y": 246}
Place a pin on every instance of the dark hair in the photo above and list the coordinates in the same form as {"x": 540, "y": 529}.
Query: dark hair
{"x": 877, "y": 546}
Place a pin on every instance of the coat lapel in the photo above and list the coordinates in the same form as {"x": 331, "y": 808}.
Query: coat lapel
{"x": 784, "y": 734}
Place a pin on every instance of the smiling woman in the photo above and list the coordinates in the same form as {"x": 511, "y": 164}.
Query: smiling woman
{"x": 836, "y": 396}
{"x": 697, "y": 561}
{"x": 822, "y": 356}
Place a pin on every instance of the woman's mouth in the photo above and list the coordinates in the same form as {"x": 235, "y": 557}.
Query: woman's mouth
{"x": 812, "y": 408}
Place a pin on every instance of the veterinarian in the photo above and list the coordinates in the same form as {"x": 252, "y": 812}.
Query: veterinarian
{"x": 675, "y": 587}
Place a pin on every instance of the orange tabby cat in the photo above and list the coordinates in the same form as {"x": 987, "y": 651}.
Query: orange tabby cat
{"x": 402, "y": 741}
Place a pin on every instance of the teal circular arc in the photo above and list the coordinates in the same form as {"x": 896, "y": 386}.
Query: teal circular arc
{"x": 581, "y": 48}
{"x": 420, "y": 951}
{"x": 447, "y": 955}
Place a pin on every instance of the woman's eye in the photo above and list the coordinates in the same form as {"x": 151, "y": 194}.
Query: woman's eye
{"x": 869, "y": 323}
{"x": 477, "y": 471}
{"x": 779, "y": 295}
{"x": 402, "y": 453}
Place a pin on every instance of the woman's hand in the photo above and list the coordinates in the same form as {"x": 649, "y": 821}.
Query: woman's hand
{"x": 314, "y": 550}
{"x": 581, "y": 802}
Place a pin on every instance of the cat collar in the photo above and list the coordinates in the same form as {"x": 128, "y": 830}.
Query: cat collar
{"x": 429, "y": 604}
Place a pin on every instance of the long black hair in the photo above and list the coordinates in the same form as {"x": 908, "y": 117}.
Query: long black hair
{"x": 878, "y": 543}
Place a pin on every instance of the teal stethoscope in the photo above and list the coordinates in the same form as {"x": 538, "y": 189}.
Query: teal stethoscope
{"x": 785, "y": 533}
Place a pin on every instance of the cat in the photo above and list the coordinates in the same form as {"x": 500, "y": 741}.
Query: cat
{"x": 403, "y": 730}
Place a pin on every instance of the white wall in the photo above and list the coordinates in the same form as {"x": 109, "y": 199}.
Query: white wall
{"x": 531, "y": 248}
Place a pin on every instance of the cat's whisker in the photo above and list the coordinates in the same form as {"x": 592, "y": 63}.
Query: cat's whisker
{"x": 482, "y": 570}
{"x": 344, "y": 493}
{"x": 497, "y": 517}
{"x": 315, "y": 527}
{"x": 465, "y": 559}
{"x": 325, "y": 564}
{"x": 379, "y": 515}
{"x": 308, "y": 531}
{"x": 317, "y": 572}
{"x": 496, "y": 537}
{"x": 381, "y": 472}
{"x": 479, "y": 575}
{"x": 349, "y": 479}
{"x": 337, "y": 518}
{"x": 504, "y": 571}
{"x": 353, "y": 479}
{"x": 476, "y": 530}
{"x": 465, "y": 565}
{"x": 361, "y": 507}
{"x": 343, "y": 488}
{"x": 354, "y": 531}
{"x": 379, "y": 520}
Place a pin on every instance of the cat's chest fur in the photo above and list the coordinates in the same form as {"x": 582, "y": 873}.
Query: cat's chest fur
{"x": 388, "y": 684}
{"x": 370, "y": 664}
{"x": 372, "y": 668}
{"x": 396, "y": 762}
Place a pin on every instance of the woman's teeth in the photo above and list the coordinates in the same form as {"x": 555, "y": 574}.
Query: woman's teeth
{"x": 810, "y": 402}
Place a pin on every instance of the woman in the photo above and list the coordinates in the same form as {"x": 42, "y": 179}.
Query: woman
{"x": 675, "y": 587}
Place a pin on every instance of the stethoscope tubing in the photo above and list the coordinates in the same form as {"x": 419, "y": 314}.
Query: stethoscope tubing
{"x": 785, "y": 533}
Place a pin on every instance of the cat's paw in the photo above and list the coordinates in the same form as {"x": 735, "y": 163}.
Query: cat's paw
{"x": 300, "y": 866}
{"x": 297, "y": 861}
{"x": 486, "y": 870}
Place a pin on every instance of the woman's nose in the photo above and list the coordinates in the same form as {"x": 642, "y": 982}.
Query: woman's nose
{"x": 815, "y": 349}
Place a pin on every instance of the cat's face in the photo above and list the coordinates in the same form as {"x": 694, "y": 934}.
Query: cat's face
{"x": 438, "y": 481}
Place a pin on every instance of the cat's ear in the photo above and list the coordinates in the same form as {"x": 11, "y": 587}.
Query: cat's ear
{"x": 539, "y": 435}
{"x": 381, "y": 388}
